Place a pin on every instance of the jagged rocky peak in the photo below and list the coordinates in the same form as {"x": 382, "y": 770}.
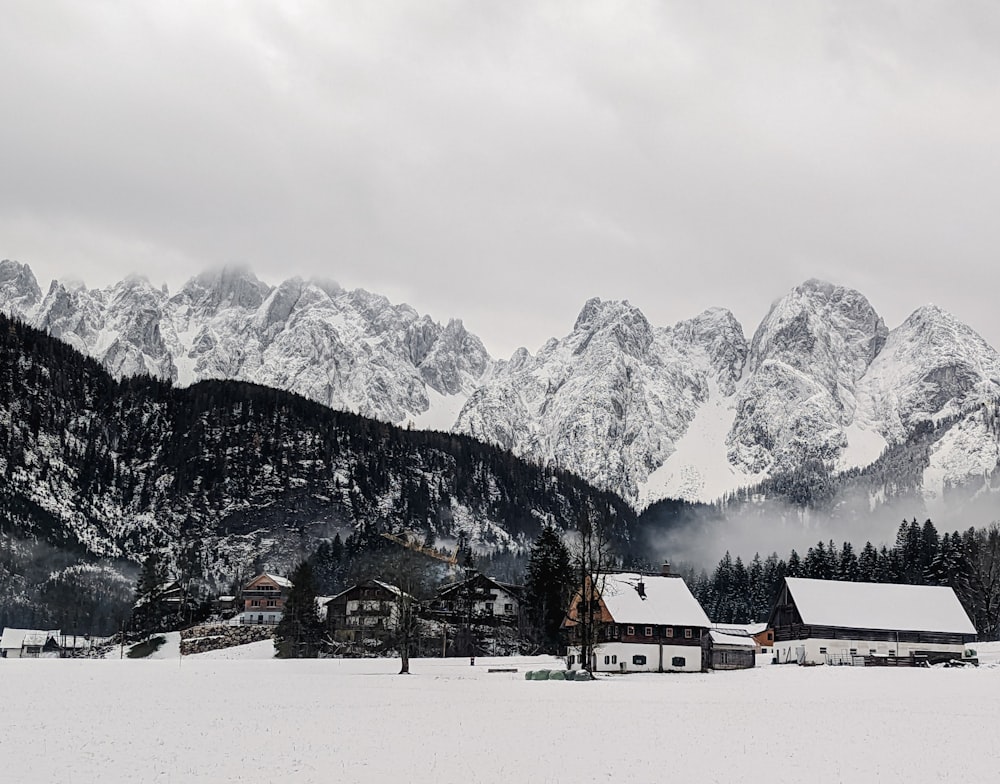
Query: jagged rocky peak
{"x": 933, "y": 365}
{"x": 457, "y": 361}
{"x": 717, "y": 332}
{"x": 612, "y": 320}
{"x": 806, "y": 359}
{"x": 227, "y": 287}
{"x": 72, "y": 313}
{"x": 19, "y": 291}
{"x": 820, "y": 321}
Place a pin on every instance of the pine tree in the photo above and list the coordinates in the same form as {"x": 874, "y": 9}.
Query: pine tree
{"x": 149, "y": 612}
{"x": 300, "y": 633}
{"x": 848, "y": 567}
{"x": 549, "y": 587}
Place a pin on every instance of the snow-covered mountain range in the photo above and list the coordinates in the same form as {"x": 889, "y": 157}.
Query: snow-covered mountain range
{"x": 350, "y": 350}
{"x": 691, "y": 410}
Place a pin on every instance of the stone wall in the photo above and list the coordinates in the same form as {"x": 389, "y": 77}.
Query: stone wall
{"x": 212, "y": 637}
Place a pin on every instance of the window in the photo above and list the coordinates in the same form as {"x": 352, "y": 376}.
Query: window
{"x": 853, "y": 651}
{"x": 687, "y": 634}
{"x": 607, "y": 660}
{"x": 678, "y": 661}
{"x": 822, "y": 650}
{"x": 618, "y": 632}
{"x": 272, "y": 603}
{"x": 614, "y": 660}
{"x": 639, "y": 661}
{"x": 571, "y": 660}
{"x": 255, "y": 602}
{"x": 630, "y": 630}
{"x": 508, "y": 609}
{"x": 872, "y": 651}
{"x": 489, "y": 608}
{"x": 670, "y": 631}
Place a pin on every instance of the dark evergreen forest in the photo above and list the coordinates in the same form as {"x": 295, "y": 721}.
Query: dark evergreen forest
{"x": 225, "y": 478}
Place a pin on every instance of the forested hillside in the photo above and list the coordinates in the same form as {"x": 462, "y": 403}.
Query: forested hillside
{"x": 226, "y": 477}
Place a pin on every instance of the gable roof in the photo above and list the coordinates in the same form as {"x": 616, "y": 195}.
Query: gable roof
{"x": 451, "y": 588}
{"x": 15, "y": 638}
{"x": 914, "y": 608}
{"x": 667, "y": 600}
{"x": 369, "y": 583}
{"x": 281, "y": 582}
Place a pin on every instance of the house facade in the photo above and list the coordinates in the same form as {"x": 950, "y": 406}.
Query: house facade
{"x": 643, "y": 623}
{"x": 830, "y": 622}
{"x": 30, "y": 644}
{"x": 366, "y": 615}
{"x": 480, "y": 598}
{"x": 264, "y": 599}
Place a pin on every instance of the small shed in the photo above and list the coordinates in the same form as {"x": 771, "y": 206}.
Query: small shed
{"x": 731, "y": 651}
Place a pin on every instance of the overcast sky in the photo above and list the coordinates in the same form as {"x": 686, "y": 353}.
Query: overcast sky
{"x": 502, "y": 162}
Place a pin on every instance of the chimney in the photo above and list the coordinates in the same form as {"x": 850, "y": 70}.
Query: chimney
{"x": 641, "y": 588}
{"x": 665, "y": 569}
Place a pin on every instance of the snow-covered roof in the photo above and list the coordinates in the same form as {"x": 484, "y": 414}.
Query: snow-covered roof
{"x": 388, "y": 586}
{"x": 915, "y": 608}
{"x": 667, "y": 600}
{"x": 718, "y": 638}
{"x": 282, "y": 582}
{"x": 15, "y": 638}
{"x": 740, "y": 629}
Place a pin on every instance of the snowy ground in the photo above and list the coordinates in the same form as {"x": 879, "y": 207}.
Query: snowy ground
{"x": 251, "y": 718}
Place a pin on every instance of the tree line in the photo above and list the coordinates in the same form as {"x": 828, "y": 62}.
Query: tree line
{"x": 967, "y": 561}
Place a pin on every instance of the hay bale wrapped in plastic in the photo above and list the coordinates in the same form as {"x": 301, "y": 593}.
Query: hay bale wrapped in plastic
{"x": 529, "y": 675}
{"x": 557, "y": 675}
{"x": 540, "y": 675}
{"x": 570, "y": 675}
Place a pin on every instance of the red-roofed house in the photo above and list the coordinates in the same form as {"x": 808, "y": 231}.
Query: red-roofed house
{"x": 646, "y": 623}
{"x": 264, "y": 599}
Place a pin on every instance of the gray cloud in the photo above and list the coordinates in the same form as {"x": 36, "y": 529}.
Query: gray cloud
{"x": 503, "y": 162}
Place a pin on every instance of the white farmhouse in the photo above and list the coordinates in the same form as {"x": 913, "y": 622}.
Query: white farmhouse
{"x": 645, "y": 623}
{"x": 29, "y": 643}
{"x": 826, "y": 621}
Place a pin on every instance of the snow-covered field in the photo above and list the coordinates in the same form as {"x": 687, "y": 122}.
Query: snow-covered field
{"x": 238, "y": 716}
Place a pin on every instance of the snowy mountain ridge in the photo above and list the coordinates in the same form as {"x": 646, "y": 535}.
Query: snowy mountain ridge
{"x": 350, "y": 350}
{"x": 693, "y": 410}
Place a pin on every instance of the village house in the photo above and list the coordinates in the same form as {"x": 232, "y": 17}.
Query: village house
{"x": 30, "y": 644}
{"x": 480, "y": 599}
{"x": 645, "y": 623}
{"x": 366, "y": 615}
{"x": 830, "y": 622}
{"x": 264, "y": 599}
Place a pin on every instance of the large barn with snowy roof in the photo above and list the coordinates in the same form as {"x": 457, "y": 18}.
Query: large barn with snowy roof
{"x": 826, "y": 621}
{"x": 646, "y": 623}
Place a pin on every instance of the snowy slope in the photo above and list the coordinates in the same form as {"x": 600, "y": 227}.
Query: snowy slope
{"x": 612, "y": 398}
